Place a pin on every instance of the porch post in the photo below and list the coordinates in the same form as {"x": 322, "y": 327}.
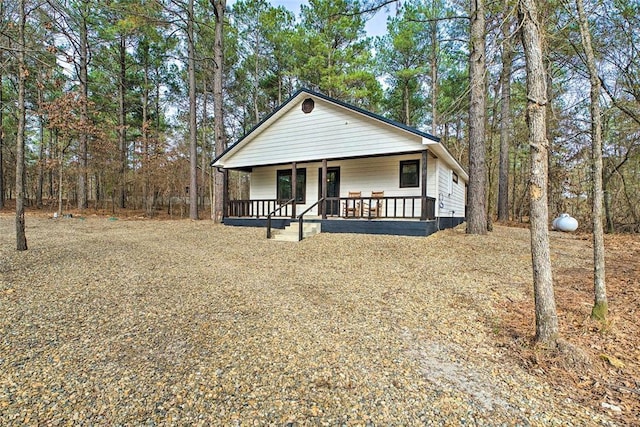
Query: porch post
{"x": 423, "y": 184}
{"x": 323, "y": 206}
{"x": 294, "y": 187}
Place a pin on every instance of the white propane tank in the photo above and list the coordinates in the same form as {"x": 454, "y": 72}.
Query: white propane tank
{"x": 565, "y": 222}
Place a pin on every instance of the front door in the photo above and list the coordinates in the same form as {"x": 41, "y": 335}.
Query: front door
{"x": 333, "y": 189}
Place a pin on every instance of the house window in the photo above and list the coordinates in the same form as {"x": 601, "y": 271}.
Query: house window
{"x": 284, "y": 185}
{"x": 409, "y": 173}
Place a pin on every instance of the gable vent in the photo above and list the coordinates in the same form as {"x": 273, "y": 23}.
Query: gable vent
{"x": 307, "y": 105}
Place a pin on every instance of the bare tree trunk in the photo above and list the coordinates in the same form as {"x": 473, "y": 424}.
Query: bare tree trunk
{"x": 1, "y": 125}
{"x": 21, "y": 237}
{"x": 545, "y": 306}
{"x": 407, "y": 106}
{"x": 50, "y": 158}
{"x": 476, "y": 214}
{"x": 205, "y": 148}
{"x": 84, "y": 114}
{"x": 40, "y": 183}
{"x": 600, "y": 306}
{"x": 193, "y": 134}
{"x": 256, "y": 88}
{"x": 146, "y": 198}
{"x": 60, "y": 178}
{"x": 434, "y": 76}
{"x": 492, "y": 160}
{"x": 2, "y": 107}
{"x": 218, "y": 124}
{"x": 96, "y": 177}
{"x": 505, "y": 122}
{"x": 122, "y": 123}
{"x": 607, "y": 206}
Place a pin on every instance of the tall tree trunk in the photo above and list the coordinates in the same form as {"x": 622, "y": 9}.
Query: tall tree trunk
{"x": 193, "y": 134}
{"x": 2, "y": 183}
{"x": 434, "y": 76}
{"x": 505, "y": 121}
{"x": 60, "y": 179}
{"x": 1, "y": 125}
{"x": 205, "y": 147}
{"x": 218, "y": 123}
{"x": 21, "y": 237}
{"x": 407, "y": 105}
{"x": 476, "y": 214}
{"x": 607, "y": 205}
{"x": 122, "y": 123}
{"x": 50, "y": 157}
{"x": 492, "y": 159}
{"x": 145, "y": 134}
{"x": 545, "y": 306}
{"x": 84, "y": 114}
{"x": 96, "y": 177}
{"x": 256, "y": 81}
{"x": 600, "y": 306}
{"x": 40, "y": 183}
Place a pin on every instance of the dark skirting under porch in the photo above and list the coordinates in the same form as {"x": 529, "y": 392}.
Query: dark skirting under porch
{"x": 280, "y": 223}
{"x": 390, "y": 227}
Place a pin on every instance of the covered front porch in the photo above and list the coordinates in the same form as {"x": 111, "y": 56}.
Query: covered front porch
{"x": 381, "y": 187}
{"x": 404, "y": 216}
{"x": 381, "y": 195}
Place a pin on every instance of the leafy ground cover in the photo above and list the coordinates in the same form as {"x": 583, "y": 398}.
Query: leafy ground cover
{"x": 114, "y": 321}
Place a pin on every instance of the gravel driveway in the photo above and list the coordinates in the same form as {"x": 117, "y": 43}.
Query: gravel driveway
{"x": 190, "y": 323}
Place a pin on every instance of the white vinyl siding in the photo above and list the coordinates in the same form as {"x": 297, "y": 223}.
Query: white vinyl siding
{"x": 459, "y": 196}
{"x": 451, "y": 195}
{"x": 431, "y": 177}
{"x": 325, "y": 133}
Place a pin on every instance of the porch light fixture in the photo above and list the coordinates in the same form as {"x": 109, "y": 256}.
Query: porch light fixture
{"x": 307, "y": 105}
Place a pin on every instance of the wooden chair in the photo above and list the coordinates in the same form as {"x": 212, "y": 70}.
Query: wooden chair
{"x": 373, "y": 208}
{"x": 351, "y": 208}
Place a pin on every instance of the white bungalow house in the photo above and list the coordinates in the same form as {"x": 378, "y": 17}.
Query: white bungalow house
{"x": 354, "y": 170}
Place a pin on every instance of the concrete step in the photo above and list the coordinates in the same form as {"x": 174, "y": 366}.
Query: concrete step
{"x": 290, "y": 233}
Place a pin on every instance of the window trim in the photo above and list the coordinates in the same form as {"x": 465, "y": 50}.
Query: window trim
{"x": 301, "y": 174}
{"x": 412, "y": 184}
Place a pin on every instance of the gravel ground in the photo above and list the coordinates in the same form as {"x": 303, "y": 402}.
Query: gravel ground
{"x": 190, "y": 323}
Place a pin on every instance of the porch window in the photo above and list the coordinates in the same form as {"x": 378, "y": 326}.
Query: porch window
{"x": 284, "y": 185}
{"x": 409, "y": 173}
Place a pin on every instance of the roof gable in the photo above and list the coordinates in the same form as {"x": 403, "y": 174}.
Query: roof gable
{"x": 331, "y": 130}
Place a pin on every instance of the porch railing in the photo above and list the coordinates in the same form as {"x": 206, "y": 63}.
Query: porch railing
{"x": 402, "y": 207}
{"x": 301, "y": 218}
{"x": 257, "y": 208}
{"x": 277, "y": 210}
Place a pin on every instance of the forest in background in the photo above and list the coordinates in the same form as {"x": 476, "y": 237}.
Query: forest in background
{"x": 108, "y": 106}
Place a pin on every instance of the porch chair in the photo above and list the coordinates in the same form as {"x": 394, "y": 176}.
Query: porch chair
{"x": 373, "y": 208}
{"x": 351, "y": 208}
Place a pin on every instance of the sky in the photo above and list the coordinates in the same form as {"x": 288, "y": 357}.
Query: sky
{"x": 376, "y": 26}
